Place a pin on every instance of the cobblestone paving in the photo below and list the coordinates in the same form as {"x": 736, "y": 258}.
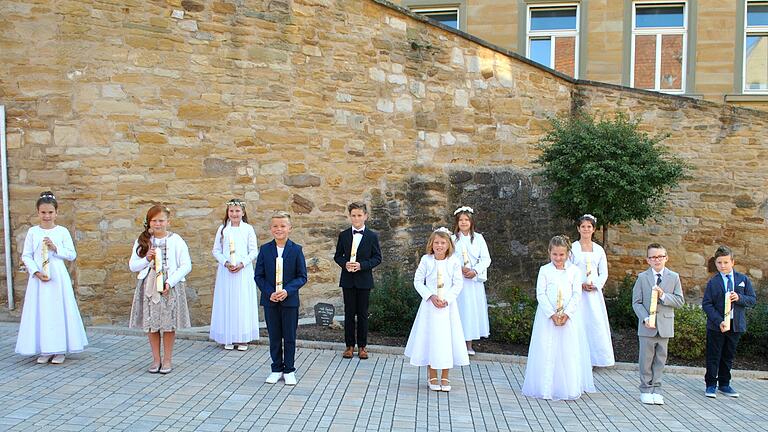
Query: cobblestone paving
{"x": 107, "y": 388}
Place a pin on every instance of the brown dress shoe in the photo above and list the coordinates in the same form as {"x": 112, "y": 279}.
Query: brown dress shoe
{"x": 362, "y": 353}
{"x": 348, "y": 352}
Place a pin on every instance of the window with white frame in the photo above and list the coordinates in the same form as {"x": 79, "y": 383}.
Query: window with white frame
{"x": 659, "y": 38}
{"x": 756, "y": 47}
{"x": 445, "y": 15}
{"x": 553, "y": 37}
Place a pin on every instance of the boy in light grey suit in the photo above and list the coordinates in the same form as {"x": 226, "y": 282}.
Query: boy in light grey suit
{"x": 654, "y": 340}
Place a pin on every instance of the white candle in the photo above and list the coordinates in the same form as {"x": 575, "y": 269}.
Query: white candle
{"x": 652, "y": 309}
{"x": 727, "y": 310}
{"x": 278, "y": 274}
{"x": 559, "y": 299}
{"x": 160, "y": 283}
{"x": 355, "y": 244}
{"x": 232, "y": 251}
{"x": 440, "y": 284}
{"x": 589, "y": 270}
{"x": 46, "y": 264}
{"x": 465, "y": 255}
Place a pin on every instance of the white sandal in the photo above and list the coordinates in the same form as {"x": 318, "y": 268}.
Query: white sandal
{"x": 433, "y": 387}
{"x": 447, "y": 387}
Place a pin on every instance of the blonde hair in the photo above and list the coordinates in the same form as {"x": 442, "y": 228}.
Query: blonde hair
{"x": 444, "y": 235}
{"x": 281, "y": 215}
{"x": 560, "y": 241}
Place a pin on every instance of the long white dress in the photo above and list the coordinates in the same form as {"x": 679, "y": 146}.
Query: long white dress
{"x": 593, "y": 312}
{"x": 472, "y": 301}
{"x": 436, "y": 338}
{"x": 235, "y": 311}
{"x": 50, "y": 321}
{"x": 558, "y": 365}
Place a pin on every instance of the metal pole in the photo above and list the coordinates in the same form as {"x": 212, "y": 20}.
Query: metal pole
{"x": 6, "y": 210}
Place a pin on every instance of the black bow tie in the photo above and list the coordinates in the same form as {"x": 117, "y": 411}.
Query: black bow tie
{"x": 357, "y": 232}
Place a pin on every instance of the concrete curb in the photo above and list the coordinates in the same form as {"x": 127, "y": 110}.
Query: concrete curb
{"x": 201, "y": 334}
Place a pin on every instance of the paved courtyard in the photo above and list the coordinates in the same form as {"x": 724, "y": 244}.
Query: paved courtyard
{"x": 107, "y": 388}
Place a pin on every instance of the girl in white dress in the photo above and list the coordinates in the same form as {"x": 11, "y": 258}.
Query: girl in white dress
{"x": 591, "y": 260}
{"x": 50, "y": 322}
{"x": 235, "y": 313}
{"x": 437, "y": 340}
{"x": 472, "y": 252}
{"x": 558, "y": 365}
{"x": 166, "y": 311}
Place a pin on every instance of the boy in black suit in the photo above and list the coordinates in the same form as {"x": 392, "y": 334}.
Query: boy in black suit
{"x": 723, "y": 332}
{"x": 357, "y": 253}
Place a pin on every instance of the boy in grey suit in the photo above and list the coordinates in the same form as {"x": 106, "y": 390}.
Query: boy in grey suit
{"x": 654, "y": 340}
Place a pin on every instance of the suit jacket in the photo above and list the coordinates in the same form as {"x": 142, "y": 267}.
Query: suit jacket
{"x": 665, "y": 310}
{"x": 713, "y": 302}
{"x": 368, "y": 255}
{"x": 294, "y": 272}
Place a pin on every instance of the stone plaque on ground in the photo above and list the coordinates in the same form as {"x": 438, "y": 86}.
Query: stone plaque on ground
{"x": 324, "y": 313}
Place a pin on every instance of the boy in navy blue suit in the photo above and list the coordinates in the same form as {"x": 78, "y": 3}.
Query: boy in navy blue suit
{"x": 280, "y": 296}
{"x": 722, "y": 335}
{"x": 357, "y": 253}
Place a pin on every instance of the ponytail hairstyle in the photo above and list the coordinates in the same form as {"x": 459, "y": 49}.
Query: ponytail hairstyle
{"x": 146, "y": 236}
{"x": 468, "y": 212}
{"x": 560, "y": 241}
{"x": 47, "y": 197}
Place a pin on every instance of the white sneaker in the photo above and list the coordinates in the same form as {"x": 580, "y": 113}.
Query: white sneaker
{"x": 43, "y": 359}
{"x": 647, "y": 398}
{"x": 242, "y": 347}
{"x": 658, "y": 399}
{"x": 273, "y": 378}
{"x": 290, "y": 379}
{"x": 229, "y": 347}
{"x": 471, "y": 352}
{"x": 58, "y": 359}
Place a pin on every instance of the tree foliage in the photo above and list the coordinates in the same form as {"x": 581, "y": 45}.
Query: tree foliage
{"x": 607, "y": 168}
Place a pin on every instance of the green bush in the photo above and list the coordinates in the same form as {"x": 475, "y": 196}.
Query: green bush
{"x": 690, "y": 341}
{"x": 620, "y": 312}
{"x": 393, "y": 304}
{"x": 512, "y": 319}
{"x": 755, "y": 340}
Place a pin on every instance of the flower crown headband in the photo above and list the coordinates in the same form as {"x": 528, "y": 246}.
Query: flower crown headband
{"x": 590, "y": 217}
{"x": 443, "y": 230}
{"x": 236, "y": 202}
{"x": 47, "y": 195}
{"x": 463, "y": 209}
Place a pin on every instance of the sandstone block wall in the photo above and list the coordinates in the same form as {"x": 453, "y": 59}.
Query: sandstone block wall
{"x": 305, "y": 105}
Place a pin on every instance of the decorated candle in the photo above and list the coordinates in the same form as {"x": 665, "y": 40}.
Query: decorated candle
{"x": 440, "y": 289}
{"x": 46, "y": 263}
{"x": 278, "y": 274}
{"x": 232, "y": 251}
{"x": 160, "y": 283}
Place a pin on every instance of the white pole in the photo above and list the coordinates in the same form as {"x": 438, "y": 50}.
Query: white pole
{"x": 6, "y": 210}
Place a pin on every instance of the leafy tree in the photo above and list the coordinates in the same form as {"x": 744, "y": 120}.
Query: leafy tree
{"x": 607, "y": 168}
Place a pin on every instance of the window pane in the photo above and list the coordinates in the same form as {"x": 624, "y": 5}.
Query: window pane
{"x": 671, "y": 62}
{"x": 565, "y": 55}
{"x": 553, "y": 19}
{"x": 645, "y": 61}
{"x": 451, "y": 19}
{"x": 757, "y": 63}
{"x": 541, "y": 51}
{"x": 659, "y": 16}
{"x": 757, "y": 15}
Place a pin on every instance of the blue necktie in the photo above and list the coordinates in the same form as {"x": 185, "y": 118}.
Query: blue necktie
{"x": 658, "y": 279}
{"x": 729, "y": 287}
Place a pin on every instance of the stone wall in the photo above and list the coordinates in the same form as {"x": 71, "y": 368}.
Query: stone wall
{"x": 305, "y": 105}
